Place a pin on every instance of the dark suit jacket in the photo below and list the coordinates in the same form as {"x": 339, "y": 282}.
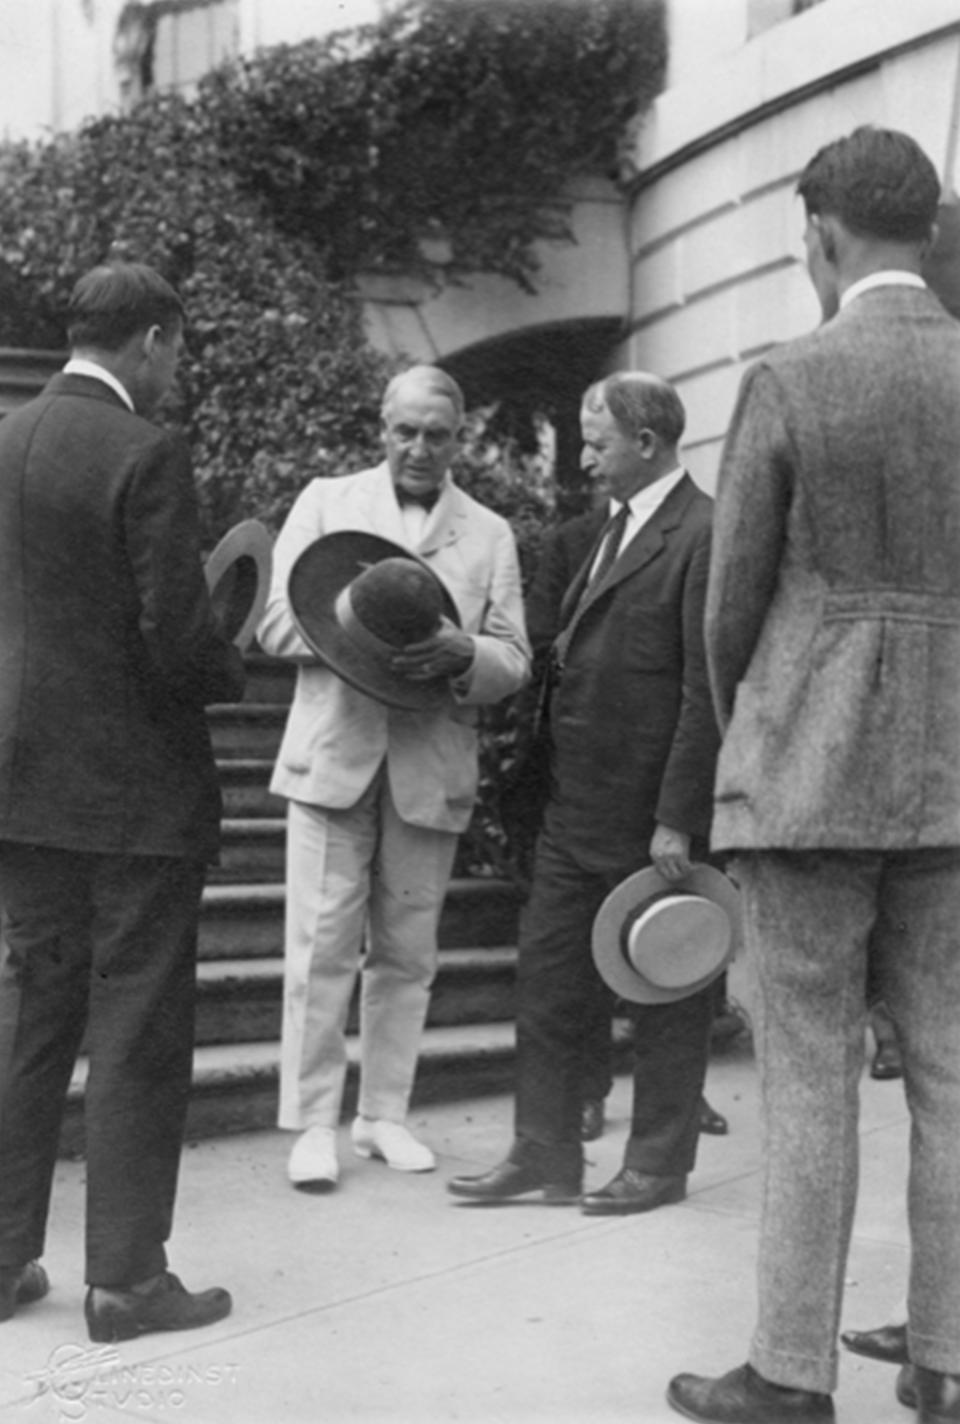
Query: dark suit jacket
{"x": 108, "y": 647}
{"x": 633, "y": 735}
{"x": 525, "y": 785}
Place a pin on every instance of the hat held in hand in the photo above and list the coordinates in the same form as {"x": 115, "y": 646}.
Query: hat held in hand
{"x": 358, "y": 600}
{"x": 238, "y": 580}
{"x": 657, "y": 940}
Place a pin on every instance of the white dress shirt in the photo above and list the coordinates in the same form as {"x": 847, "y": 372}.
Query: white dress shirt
{"x": 641, "y": 506}
{"x": 80, "y": 366}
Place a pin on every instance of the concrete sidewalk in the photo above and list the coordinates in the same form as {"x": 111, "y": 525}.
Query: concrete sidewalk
{"x": 386, "y": 1300}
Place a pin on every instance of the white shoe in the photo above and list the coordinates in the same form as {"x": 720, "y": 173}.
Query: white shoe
{"x": 313, "y": 1161}
{"x": 392, "y": 1143}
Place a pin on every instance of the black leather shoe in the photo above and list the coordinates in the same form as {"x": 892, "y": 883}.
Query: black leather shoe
{"x": 166, "y": 1305}
{"x": 886, "y": 1062}
{"x": 744, "y": 1397}
{"x": 938, "y": 1396}
{"x": 711, "y": 1121}
{"x": 632, "y": 1191}
{"x": 509, "y": 1180}
{"x": 592, "y": 1121}
{"x": 887, "y": 1343}
{"x": 21, "y": 1285}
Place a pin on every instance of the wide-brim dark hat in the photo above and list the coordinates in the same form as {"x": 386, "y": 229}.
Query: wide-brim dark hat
{"x": 320, "y": 581}
{"x": 238, "y": 579}
{"x": 657, "y": 940}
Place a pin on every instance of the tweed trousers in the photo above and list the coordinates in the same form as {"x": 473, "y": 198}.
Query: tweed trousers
{"x": 364, "y": 895}
{"x": 814, "y": 920}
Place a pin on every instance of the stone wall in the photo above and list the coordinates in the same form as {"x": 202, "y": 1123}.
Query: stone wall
{"x": 715, "y": 229}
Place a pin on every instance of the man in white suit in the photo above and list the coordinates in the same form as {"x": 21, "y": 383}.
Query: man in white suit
{"x": 377, "y": 795}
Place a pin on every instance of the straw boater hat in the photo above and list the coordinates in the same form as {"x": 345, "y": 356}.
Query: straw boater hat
{"x": 238, "y": 580}
{"x": 358, "y": 599}
{"x": 657, "y": 940}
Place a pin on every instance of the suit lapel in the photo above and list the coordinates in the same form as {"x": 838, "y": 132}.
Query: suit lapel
{"x": 381, "y": 509}
{"x": 577, "y": 584}
{"x": 447, "y": 522}
{"x": 644, "y": 547}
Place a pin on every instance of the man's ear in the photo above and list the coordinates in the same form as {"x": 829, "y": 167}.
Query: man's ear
{"x": 151, "y": 336}
{"x": 647, "y": 442}
{"x": 827, "y": 228}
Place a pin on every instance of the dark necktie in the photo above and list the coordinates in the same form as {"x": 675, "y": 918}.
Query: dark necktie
{"x": 611, "y": 537}
{"x": 426, "y": 500}
{"x": 610, "y": 545}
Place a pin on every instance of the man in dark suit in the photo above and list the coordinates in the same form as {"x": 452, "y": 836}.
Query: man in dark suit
{"x": 632, "y": 746}
{"x": 524, "y": 797}
{"x": 109, "y": 802}
{"x": 833, "y": 629}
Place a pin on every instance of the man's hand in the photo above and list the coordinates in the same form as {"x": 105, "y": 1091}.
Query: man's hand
{"x": 670, "y": 853}
{"x": 447, "y": 654}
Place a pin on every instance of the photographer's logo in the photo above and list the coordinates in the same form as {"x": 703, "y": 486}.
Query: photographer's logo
{"x": 79, "y": 1379}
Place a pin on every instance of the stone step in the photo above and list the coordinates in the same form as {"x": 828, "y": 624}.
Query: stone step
{"x": 240, "y": 1000}
{"x": 249, "y": 730}
{"x": 235, "y": 1085}
{"x": 245, "y": 787}
{"x": 24, "y": 373}
{"x": 246, "y": 921}
{"x": 269, "y": 679}
{"x": 252, "y": 849}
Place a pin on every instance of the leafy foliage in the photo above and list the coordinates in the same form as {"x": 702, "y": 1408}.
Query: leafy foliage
{"x": 277, "y": 383}
{"x": 445, "y": 135}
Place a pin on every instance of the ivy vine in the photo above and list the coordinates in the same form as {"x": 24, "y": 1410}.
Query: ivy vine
{"x": 444, "y": 136}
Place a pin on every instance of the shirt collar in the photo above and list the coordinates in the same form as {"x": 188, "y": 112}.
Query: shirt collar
{"x": 890, "y": 278}
{"x": 80, "y": 366}
{"x": 645, "y": 501}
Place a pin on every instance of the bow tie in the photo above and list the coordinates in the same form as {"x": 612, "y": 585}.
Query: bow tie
{"x": 425, "y": 501}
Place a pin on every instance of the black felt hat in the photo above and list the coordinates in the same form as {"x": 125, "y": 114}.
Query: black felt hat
{"x": 358, "y": 600}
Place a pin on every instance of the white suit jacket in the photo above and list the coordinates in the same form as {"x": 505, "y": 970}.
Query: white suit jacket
{"x": 336, "y": 737}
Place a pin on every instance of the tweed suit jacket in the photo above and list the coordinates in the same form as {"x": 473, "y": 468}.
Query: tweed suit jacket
{"x": 337, "y": 737}
{"x": 632, "y": 730}
{"x": 833, "y": 618}
{"x": 108, "y": 646}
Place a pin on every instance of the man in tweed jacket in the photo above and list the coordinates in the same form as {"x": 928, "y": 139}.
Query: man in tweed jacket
{"x": 833, "y": 635}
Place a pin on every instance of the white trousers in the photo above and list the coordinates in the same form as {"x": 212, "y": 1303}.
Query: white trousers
{"x": 364, "y": 894}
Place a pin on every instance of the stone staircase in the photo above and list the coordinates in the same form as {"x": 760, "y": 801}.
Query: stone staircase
{"x": 468, "y": 1043}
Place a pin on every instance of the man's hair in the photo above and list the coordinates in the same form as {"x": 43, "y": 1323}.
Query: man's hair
{"x": 878, "y": 182}
{"x": 430, "y": 379}
{"x": 112, "y": 303}
{"x": 639, "y": 401}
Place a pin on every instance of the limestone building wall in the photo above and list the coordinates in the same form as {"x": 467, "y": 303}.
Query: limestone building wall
{"x": 715, "y": 230}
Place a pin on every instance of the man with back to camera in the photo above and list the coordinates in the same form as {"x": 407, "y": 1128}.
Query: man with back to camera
{"x": 109, "y": 802}
{"x": 833, "y": 632}
{"x": 377, "y": 795}
{"x": 632, "y": 743}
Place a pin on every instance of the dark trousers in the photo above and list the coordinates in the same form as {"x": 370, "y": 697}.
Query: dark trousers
{"x": 560, "y": 999}
{"x": 101, "y": 945}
